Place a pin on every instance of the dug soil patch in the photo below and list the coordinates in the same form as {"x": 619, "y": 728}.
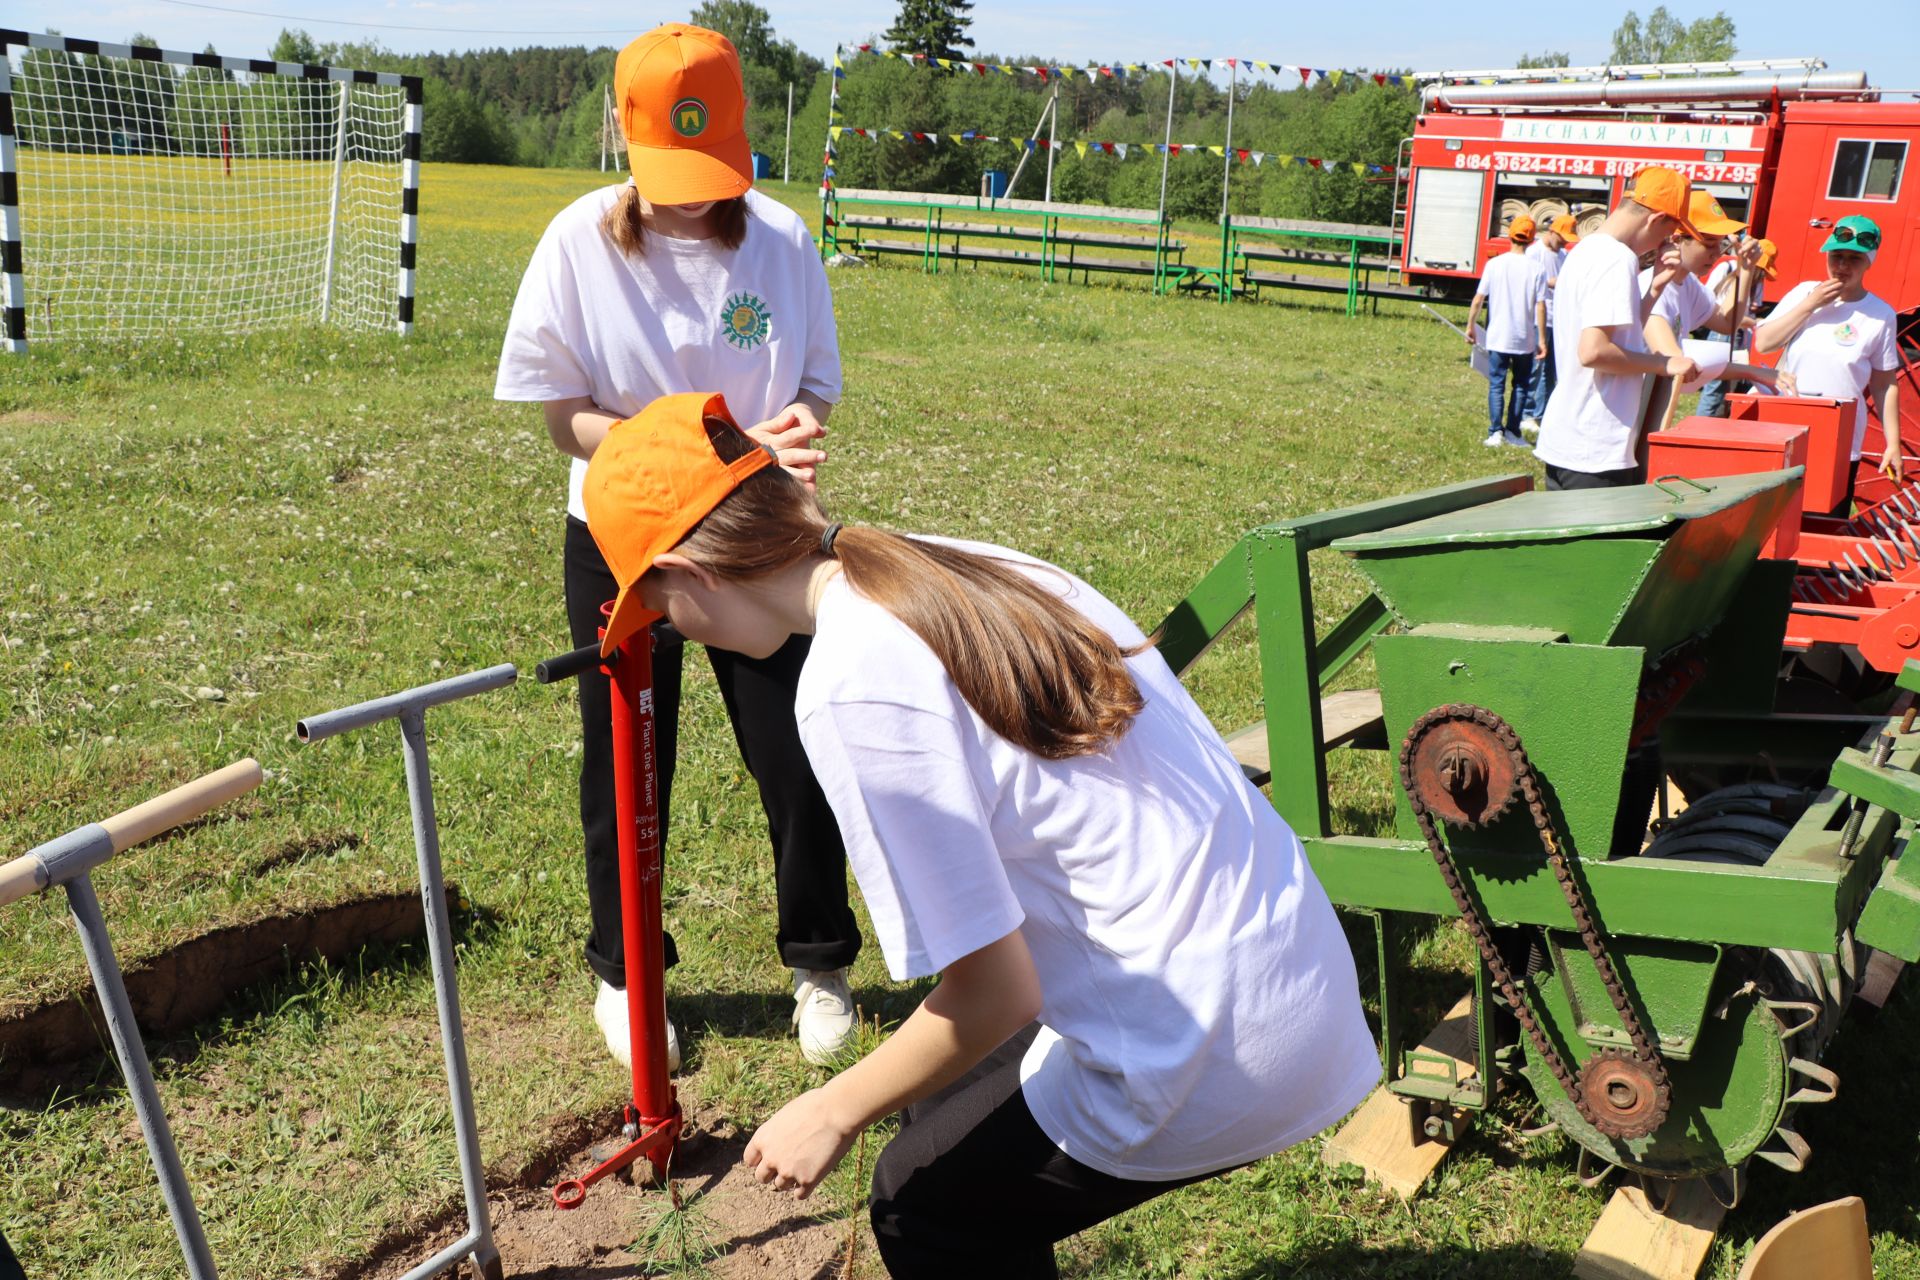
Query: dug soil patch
{"x": 729, "y": 1228}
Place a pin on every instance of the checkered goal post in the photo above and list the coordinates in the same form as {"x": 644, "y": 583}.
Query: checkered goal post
{"x": 145, "y": 193}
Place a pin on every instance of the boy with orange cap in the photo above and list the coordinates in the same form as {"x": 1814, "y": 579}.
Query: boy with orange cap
{"x": 1590, "y": 434}
{"x": 1514, "y": 287}
{"x": 1550, "y": 251}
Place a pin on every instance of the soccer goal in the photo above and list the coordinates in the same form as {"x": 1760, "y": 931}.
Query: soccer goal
{"x": 146, "y": 193}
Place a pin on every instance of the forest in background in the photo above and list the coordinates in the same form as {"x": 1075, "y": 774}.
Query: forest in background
{"x": 544, "y": 107}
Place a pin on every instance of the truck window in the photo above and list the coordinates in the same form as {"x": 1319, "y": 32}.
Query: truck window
{"x": 1864, "y": 169}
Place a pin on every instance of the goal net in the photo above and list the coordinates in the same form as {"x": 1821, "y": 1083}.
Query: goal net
{"x": 145, "y": 193}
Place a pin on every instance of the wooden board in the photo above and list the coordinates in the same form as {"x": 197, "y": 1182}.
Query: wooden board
{"x": 1353, "y": 717}
{"x": 1379, "y": 1138}
{"x": 1632, "y": 1242}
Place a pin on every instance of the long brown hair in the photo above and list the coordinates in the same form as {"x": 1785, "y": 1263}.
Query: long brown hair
{"x": 626, "y": 222}
{"x": 1038, "y": 672}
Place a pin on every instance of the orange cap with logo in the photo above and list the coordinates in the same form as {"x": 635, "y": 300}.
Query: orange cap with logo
{"x": 1706, "y": 218}
{"x": 1520, "y": 230}
{"x": 683, "y": 109}
{"x": 652, "y": 479}
{"x": 1768, "y": 252}
{"x": 1665, "y": 191}
{"x": 1567, "y": 228}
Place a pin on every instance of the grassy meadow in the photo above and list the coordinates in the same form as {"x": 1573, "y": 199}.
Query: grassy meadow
{"x": 206, "y": 538}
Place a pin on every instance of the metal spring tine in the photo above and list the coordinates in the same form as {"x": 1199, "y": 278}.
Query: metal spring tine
{"x": 1794, "y": 1158}
{"x": 1659, "y": 1191}
{"x": 1849, "y": 581}
{"x": 1908, "y": 532}
{"x": 1733, "y": 1182}
{"x": 1808, "y": 1008}
{"x": 1904, "y": 503}
{"x": 1873, "y": 544}
{"x": 1892, "y": 536}
{"x": 1593, "y": 1180}
{"x": 1802, "y": 592}
{"x": 1864, "y": 569}
{"x": 1825, "y": 1086}
{"x": 1831, "y": 581}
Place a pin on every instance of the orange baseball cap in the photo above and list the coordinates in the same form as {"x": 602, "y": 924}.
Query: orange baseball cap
{"x": 683, "y": 109}
{"x": 1567, "y": 228}
{"x": 652, "y": 479}
{"x": 1706, "y": 218}
{"x": 1520, "y": 230}
{"x": 1768, "y": 252}
{"x": 1665, "y": 191}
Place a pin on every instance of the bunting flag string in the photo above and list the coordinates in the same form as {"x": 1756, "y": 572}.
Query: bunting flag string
{"x": 1048, "y": 72}
{"x": 1085, "y": 147}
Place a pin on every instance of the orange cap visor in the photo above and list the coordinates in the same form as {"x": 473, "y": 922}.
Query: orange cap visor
{"x": 1706, "y": 218}
{"x": 1665, "y": 191}
{"x": 1566, "y": 228}
{"x": 1768, "y": 252}
{"x": 683, "y": 109}
{"x": 652, "y": 479}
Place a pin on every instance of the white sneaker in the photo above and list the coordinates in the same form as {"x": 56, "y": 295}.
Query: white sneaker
{"x": 1529, "y": 426}
{"x": 1494, "y": 440}
{"x": 610, "y": 1012}
{"x": 1515, "y": 439}
{"x": 822, "y": 1013}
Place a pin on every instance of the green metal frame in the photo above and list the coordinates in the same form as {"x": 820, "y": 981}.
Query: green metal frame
{"x": 1803, "y": 899}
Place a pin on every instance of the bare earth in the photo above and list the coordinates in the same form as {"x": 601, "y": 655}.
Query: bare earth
{"x": 734, "y": 1228}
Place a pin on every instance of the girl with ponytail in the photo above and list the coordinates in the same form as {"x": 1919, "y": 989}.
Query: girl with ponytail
{"x": 1141, "y": 983}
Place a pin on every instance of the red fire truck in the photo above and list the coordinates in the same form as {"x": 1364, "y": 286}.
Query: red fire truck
{"x": 1788, "y": 149}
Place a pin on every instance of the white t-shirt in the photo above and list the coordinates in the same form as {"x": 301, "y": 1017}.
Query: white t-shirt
{"x": 1512, "y": 284}
{"x": 1200, "y": 1007}
{"x": 1592, "y": 418}
{"x": 1549, "y": 260}
{"x": 1839, "y": 348}
{"x": 1685, "y": 304}
{"x": 753, "y": 323}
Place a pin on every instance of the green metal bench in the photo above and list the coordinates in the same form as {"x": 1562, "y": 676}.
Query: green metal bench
{"x": 943, "y": 233}
{"x": 1362, "y": 250}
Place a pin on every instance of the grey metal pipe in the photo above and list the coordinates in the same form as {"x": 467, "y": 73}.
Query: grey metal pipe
{"x": 139, "y": 1075}
{"x": 362, "y": 714}
{"x": 1790, "y": 86}
{"x": 446, "y": 991}
{"x": 409, "y": 708}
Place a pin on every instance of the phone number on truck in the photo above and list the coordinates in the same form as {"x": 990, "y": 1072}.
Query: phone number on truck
{"x": 1599, "y": 166}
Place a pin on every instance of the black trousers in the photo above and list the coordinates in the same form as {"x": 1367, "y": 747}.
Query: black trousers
{"x": 1562, "y": 478}
{"x": 816, "y": 926}
{"x": 972, "y": 1187}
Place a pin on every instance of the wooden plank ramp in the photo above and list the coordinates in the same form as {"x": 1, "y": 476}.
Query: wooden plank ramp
{"x": 1350, "y": 718}
{"x": 1379, "y": 1137}
{"x": 1634, "y": 1241}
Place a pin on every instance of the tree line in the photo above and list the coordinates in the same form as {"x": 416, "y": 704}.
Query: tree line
{"x": 544, "y": 107}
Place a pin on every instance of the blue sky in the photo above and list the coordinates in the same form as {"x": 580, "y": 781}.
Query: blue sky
{"x": 1388, "y": 33}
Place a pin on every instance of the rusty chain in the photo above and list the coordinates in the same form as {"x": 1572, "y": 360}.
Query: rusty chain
{"x": 1633, "y": 1087}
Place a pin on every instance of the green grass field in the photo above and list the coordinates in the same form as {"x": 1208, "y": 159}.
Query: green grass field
{"x": 207, "y": 538}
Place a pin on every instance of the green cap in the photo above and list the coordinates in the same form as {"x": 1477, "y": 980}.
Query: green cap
{"x": 1862, "y": 235}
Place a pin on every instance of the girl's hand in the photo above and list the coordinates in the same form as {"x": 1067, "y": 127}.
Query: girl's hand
{"x": 1892, "y": 465}
{"x": 787, "y": 434}
{"x": 799, "y": 1146}
{"x": 1784, "y": 384}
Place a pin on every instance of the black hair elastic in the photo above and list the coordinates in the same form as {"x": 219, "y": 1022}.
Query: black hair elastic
{"x": 831, "y": 532}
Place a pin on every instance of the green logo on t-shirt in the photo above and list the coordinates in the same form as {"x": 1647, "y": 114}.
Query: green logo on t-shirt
{"x": 689, "y": 117}
{"x": 745, "y": 321}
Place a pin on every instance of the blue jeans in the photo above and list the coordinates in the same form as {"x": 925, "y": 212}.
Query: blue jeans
{"x": 1545, "y": 378}
{"x": 1514, "y": 406}
{"x": 1713, "y": 396}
